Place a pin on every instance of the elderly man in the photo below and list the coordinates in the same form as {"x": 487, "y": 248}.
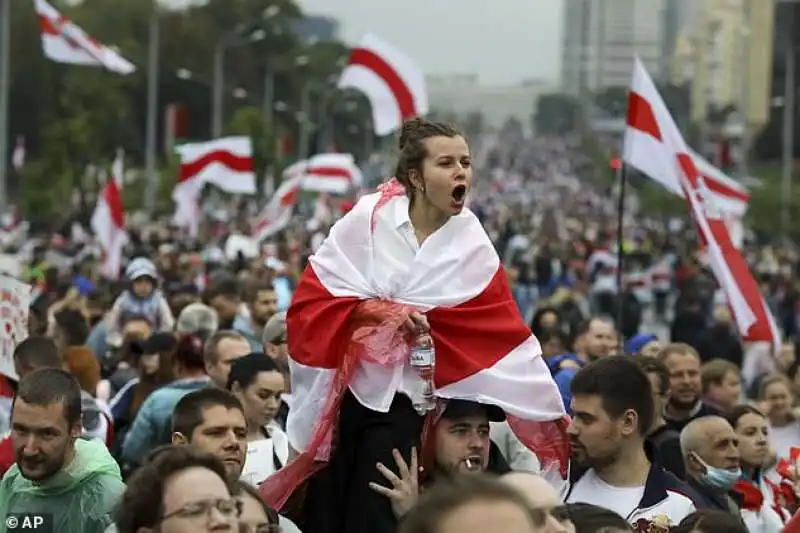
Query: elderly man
{"x": 711, "y": 455}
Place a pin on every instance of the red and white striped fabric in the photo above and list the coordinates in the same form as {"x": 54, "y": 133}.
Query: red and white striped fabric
{"x": 332, "y": 173}
{"x": 108, "y": 221}
{"x": 278, "y": 211}
{"x": 226, "y": 163}
{"x": 601, "y": 257}
{"x": 649, "y": 118}
{"x": 643, "y": 152}
{"x": 65, "y": 42}
{"x": 661, "y": 275}
{"x": 393, "y": 83}
{"x": 484, "y": 350}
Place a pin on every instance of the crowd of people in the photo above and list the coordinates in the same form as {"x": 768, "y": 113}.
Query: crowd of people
{"x": 168, "y": 407}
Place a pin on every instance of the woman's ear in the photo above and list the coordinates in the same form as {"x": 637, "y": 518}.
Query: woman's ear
{"x": 417, "y": 183}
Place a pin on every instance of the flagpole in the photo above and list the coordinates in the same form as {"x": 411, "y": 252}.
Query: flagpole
{"x": 5, "y": 59}
{"x": 622, "y": 179}
{"x": 152, "y": 112}
{"x": 788, "y": 126}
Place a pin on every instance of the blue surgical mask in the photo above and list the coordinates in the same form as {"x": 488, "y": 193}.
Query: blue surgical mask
{"x": 720, "y": 478}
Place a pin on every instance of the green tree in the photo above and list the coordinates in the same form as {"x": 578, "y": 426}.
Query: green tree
{"x": 556, "y": 113}
{"x": 72, "y": 116}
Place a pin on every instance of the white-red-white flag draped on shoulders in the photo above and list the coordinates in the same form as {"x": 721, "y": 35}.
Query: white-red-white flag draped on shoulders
{"x": 484, "y": 350}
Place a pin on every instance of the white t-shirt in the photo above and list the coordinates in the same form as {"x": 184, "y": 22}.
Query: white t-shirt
{"x": 593, "y": 490}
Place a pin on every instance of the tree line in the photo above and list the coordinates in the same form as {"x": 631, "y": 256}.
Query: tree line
{"x": 73, "y": 118}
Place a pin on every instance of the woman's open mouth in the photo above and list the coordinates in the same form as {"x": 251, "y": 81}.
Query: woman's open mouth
{"x": 459, "y": 193}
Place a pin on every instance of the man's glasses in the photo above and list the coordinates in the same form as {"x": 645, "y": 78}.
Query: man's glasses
{"x": 202, "y": 510}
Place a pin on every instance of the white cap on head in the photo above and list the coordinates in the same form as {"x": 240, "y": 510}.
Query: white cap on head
{"x": 141, "y": 267}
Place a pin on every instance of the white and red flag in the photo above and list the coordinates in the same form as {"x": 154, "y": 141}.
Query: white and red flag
{"x": 393, "y": 83}
{"x": 647, "y": 156}
{"x": 332, "y": 173}
{"x": 278, "y": 212}
{"x": 108, "y": 221}
{"x": 65, "y": 42}
{"x": 484, "y": 350}
{"x": 651, "y": 130}
{"x": 226, "y": 163}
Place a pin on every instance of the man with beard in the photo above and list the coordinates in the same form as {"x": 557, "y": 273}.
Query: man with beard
{"x": 212, "y": 421}
{"x": 76, "y": 481}
{"x": 262, "y": 304}
{"x": 612, "y": 406}
{"x": 685, "y": 386}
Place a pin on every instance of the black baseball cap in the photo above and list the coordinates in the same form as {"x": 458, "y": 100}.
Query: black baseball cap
{"x": 457, "y": 409}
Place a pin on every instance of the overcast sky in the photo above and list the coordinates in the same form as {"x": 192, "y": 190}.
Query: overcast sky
{"x": 503, "y": 41}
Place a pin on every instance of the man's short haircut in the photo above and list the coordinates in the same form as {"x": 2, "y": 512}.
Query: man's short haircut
{"x": 621, "y": 385}
{"x": 695, "y": 434}
{"x": 74, "y": 326}
{"x": 38, "y": 351}
{"x": 448, "y": 496}
{"x": 227, "y": 287}
{"x": 253, "y": 289}
{"x": 676, "y": 348}
{"x": 657, "y": 368}
{"x": 188, "y": 413}
{"x": 586, "y": 324}
{"x": 714, "y": 372}
{"x": 142, "y": 503}
{"x": 211, "y": 349}
{"x": 48, "y": 386}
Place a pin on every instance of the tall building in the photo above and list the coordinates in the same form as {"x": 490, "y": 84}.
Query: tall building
{"x": 601, "y": 38}
{"x": 726, "y": 52}
{"x": 464, "y": 94}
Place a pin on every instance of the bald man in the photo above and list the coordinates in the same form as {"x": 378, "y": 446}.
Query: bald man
{"x": 541, "y": 497}
{"x": 710, "y": 452}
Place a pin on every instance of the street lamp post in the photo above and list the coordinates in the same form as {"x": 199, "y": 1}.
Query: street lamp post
{"x": 216, "y": 90}
{"x": 152, "y": 111}
{"x": 5, "y": 59}
{"x": 788, "y": 123}
{"x": 233, "y": 40}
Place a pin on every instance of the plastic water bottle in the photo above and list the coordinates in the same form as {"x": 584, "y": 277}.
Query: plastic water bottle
{"x": 423, "y": 361}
